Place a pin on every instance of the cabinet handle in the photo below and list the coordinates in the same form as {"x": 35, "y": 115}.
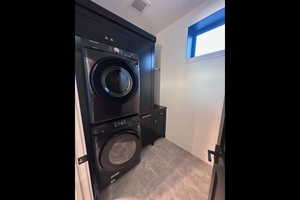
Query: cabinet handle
{"x": 82, "y": 159}
{"x": 112, "y": 181}
{"x": 94, "y": 42}
{"x": 146, "y": 116}
{"x": 113, "y": 176}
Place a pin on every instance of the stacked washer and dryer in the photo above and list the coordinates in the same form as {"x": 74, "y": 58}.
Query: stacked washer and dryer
{"x": 112, "y": 87}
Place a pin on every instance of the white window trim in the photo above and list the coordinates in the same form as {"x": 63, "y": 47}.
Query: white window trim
{"x": 206, "y": 56}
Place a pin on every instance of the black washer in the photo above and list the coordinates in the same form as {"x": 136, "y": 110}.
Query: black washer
{"x": 118, "y": 146}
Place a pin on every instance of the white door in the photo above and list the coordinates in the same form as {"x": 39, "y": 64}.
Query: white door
{"x": 83, "y": 186}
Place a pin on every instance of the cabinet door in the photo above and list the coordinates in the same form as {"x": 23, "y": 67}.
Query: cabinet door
{"x": 145, "y": 51}
{"x": 147, "y": 131}
{"x": 95, "y": 27}
{"x": 90, "y": 28}
{"x": 160, "y": 123}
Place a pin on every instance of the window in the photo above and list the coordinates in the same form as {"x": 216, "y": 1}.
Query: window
{"x": 210, "y": 41}
{"x": 207, "y": 36}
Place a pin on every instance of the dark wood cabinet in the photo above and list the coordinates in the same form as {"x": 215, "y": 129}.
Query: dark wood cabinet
{"x": 147, "y": 129}
{"x": 153, "y": 125}
{"x": 159, "y": 121}
{"x": 94, "y": 27}
{"x": 95, "y": 23}
{"x": 147, "y": 80}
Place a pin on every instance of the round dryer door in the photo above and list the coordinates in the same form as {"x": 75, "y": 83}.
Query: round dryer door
{"x": 116, "y": 81}
{"x": 114, "y": 78}
{"x": 119, "y": 151}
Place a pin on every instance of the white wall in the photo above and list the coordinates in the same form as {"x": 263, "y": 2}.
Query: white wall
{"x": 154, "y": 18}
{"x": 193, "y": 90}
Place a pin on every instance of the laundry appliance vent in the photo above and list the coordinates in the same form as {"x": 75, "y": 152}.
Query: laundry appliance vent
{"x": 140, "y": 5}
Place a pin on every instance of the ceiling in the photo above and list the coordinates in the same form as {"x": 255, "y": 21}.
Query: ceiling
{"x": 153, "y": 19}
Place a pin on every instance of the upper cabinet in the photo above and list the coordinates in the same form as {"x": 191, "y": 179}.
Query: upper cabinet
{"x": 94, "y": 27}
{"x": 96, "y": 23}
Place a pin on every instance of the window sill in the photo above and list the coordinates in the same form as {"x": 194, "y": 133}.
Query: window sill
{"x": 206, "y": 56}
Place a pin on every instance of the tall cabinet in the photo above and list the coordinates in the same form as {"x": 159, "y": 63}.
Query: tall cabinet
{"x": 96, "y": 23}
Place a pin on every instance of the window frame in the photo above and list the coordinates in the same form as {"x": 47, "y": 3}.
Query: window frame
{"x": 204, "y": 25}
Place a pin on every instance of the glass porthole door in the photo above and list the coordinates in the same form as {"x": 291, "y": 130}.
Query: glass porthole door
{"x": 119, "y": 150}
{"x": 114, "y": 79}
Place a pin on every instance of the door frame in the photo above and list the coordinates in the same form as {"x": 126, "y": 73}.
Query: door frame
{"x": 220, "y": 137}
{"x": 83, "y": 186}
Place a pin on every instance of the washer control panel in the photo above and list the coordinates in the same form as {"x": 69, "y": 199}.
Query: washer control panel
{"x": 120, "y": 123}
{"x": 131, "y": 122}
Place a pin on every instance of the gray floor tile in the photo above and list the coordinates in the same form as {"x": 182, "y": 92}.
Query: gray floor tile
{"x": 166, "y": 172}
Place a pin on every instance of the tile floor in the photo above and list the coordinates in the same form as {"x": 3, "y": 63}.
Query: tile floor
{"x": 166, "y": 172}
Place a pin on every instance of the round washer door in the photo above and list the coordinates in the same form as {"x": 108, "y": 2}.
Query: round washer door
{"x": 114, "y": 78}
{"x": 120, "y": 150}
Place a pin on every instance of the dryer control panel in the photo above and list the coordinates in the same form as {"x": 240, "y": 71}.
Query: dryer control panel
{"x": 109, "y": 49}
